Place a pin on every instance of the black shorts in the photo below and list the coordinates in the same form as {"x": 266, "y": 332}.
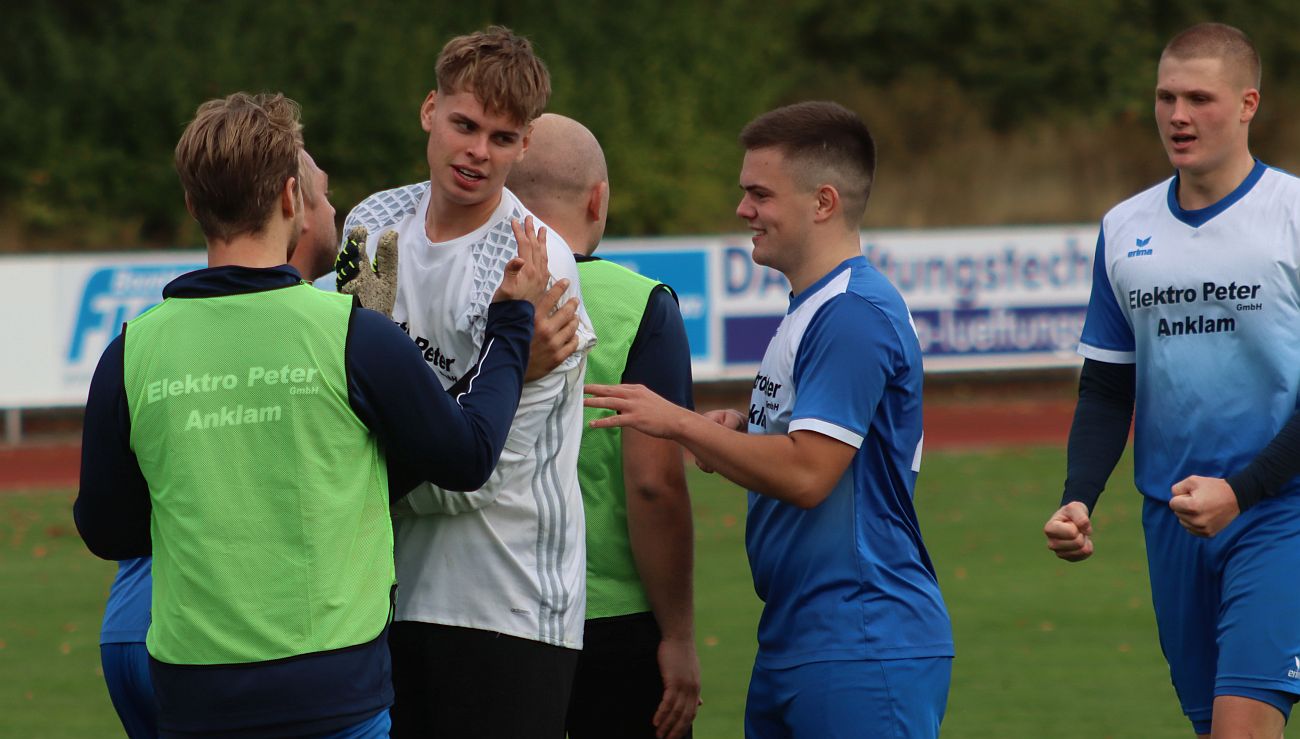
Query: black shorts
{"x": 454, "y": 683}
{"x": 618, "y": 686}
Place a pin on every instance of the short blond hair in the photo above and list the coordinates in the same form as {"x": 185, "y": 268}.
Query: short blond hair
{"x": 1219, "y": 41}
{"x": 234, "y": 158}
{"x": 501, "y": 69}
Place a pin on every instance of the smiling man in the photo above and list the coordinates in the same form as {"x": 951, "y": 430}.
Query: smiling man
{"x": 491, "y": 583}
{"x": 1195, "y": 316}
{"x": 854, "y": 639}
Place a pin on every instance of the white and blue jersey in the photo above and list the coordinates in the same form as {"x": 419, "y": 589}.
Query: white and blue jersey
{"x": 849, "y": 579}
{"x": 1207, "y": 304}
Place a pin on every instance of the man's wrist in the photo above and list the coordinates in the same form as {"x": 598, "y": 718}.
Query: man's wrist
{"x": 1245, "y": 488}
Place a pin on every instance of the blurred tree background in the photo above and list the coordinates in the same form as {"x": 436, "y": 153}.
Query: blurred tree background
{"x": 986, "y": 111}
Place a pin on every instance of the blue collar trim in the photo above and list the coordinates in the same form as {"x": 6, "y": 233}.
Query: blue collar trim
{"x": 1198, "y": 218}
{"x": 797, "y": 300}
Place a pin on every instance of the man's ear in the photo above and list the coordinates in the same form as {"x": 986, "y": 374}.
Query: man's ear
{"x": 524, "y": 142}
{"x": 426, "y": 110}
{"x": 1249, "y": 105}
{"x": 828, "y": 203}
{"x": 597, "y": 200}
{"x": 189, "y": 207}
{"x": 290, "y": 198}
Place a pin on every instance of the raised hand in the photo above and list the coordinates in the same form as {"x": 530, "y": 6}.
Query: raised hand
{"x": 1069, "y": 532}
{"x": 375, "y": 286}
{"x": 636, "y": 407}
{"x": 555, "y": 332}
{"x": 528, "y": 273}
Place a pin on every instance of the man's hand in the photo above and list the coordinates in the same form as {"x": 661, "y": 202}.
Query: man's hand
{"x": 1069, "y": 532}
{"x": 636, "y": 407}
{"x": 526, "y": 275}
{"x": 375, "y": 286}
{"x": 727, "y": 418}
{"x": 1204, "y": 505}
{"x": 680, "y": 668}
{"x": 555, "y": 332}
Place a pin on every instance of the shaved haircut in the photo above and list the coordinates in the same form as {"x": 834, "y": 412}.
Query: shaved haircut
{"x": 1219, "y": 41}
{"x": 564, "y": 161}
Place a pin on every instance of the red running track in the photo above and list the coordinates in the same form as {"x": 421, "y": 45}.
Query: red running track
{"x": 947, "y": 426}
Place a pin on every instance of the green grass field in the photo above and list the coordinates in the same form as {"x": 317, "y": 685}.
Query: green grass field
{"x": 1044, "y": 648}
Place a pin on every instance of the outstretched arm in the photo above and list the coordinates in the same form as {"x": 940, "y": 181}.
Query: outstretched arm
{"x": 800, "y": 468}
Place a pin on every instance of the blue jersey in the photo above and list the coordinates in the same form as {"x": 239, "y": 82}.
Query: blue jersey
{"x": 850, "y": 578}
{"x": 126, "y": 617}
{"x": 1207, "y": 304}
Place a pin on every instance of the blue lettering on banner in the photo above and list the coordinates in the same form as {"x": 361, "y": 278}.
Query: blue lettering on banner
{"x": 977, "y": 331}
{"x": 942, "y": 333}
{"x": 968, "y": 276}
{"x": 111, "y": 297}
{"x": 687, "y": 273}
{"x": 741, "y": 275}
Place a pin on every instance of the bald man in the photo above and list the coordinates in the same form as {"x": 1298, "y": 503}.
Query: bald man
{"x": 638, "y": 675}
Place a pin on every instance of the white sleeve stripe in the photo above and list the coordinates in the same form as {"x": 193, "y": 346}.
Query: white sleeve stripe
{"x": 478, "y": 369}
{"x": 1107, "y": 355}
{"x": 839, "y": 433}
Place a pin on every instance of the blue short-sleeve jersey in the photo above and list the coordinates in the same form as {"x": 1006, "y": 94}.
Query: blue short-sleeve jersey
{"x": 1207, "y": 304}
{"x": 849, "y": 578}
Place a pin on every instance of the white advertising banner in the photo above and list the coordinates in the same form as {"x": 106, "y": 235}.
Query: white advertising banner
{"x": 981, "y": 299}
{"x": 63, "y": 310}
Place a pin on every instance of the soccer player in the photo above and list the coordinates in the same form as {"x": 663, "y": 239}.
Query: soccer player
{"x": 123, "y": 655}
{"x": 854, "y": 639}
{"x": 313, "y": 255}
{"x": 1195, "y": 313}
{"x": 638, "y": 675}
{"x": 492, "y": 589}
{"x": 249, "y": 433}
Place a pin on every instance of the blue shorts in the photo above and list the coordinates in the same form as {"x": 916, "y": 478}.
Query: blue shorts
{"x": 893, "y": 698}
{"x": 1227, "y": 606}
{"x": 126, "y": 672}
{"x": 375, "y": 727}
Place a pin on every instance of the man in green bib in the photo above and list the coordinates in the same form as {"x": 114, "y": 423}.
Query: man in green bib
{"x": 250, "y": 432}
{"x": 638, "y": 675}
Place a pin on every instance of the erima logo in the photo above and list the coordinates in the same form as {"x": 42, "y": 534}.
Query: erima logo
{"x": 1296, "y": 672}
{"x": 1141, "y": 250}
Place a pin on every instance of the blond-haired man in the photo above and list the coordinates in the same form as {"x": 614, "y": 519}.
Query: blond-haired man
{"x": 250, "y": 432}
{"x": 1195, "y": 318}
{"x": 491, "y": 582}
